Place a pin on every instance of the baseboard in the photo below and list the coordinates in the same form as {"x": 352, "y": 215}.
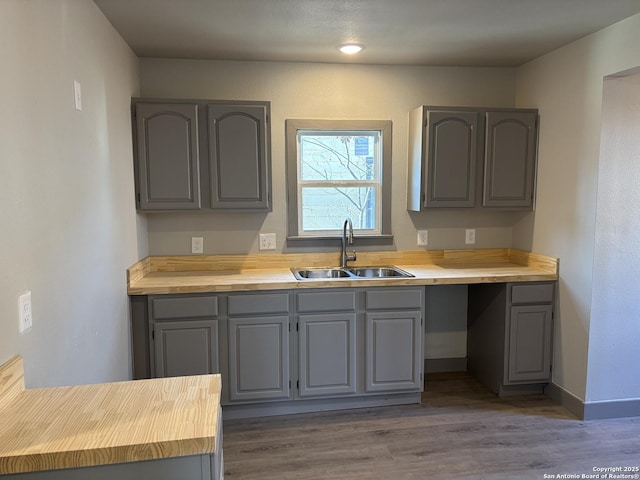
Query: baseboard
{"x": 612, "y": 409}
{"x": 438, "y": 365}
{"x": 593, "y": 410}
{"x": 567, "y": 400}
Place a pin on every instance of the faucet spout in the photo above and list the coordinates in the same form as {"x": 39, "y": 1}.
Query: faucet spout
{"x": 345, "y": 257}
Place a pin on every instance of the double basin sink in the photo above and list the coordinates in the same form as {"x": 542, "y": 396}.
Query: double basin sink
{"x": 351, "y": 273}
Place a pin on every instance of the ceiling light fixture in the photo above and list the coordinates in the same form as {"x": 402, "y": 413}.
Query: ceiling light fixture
{"x": 350, "y": 48}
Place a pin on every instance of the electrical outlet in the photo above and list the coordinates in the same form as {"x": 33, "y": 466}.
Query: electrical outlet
{"x": 197, "y": 245}
{"x": 423, "y": 238}
{"x": 24, "y": 312}
{"x": 470, "y": 236}
{"x": 77, "y": 95}
{"x": 267, "y": 241}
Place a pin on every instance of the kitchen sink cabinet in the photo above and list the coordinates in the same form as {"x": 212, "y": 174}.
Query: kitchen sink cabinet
{"x": 202, "y": 155}
{"x": 454, "y": 149}
{"x": 327, "y": 342}
{"x": 327, "y": 354}
{"x": 394, "y": 337}
{"x": 509, "y": 337}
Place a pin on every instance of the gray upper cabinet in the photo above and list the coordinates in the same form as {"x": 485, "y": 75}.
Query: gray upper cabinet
{"x": 202, "y": 155}
{"x": 454, "y": 149}
{"x": 510, "y": 153}
{"x": 168, "y": 160}
{"x": 451, "y": 159}
{"x": 239, "y": 159}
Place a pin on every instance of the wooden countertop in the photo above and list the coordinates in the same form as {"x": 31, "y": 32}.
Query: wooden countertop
{"x": 224, "y": 273}
{"x": 86, "y": 425}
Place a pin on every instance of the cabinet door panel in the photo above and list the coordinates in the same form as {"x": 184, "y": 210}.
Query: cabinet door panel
{"x": 327, "y": 350}
{"x": 529, "y": 352}
{"x": 239, "y": 156}
{"x": 186, "y": 347}
{"x": 451, "y": 159}
{"x": 510, "y": 139}
{"x": 393, "y": 351}
{"x": 259, "y": 358}
{"x": 167, "y": 156}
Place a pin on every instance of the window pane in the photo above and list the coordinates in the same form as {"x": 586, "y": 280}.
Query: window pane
{"x": 327, "y": 208}
{"x": 338, "y": 157}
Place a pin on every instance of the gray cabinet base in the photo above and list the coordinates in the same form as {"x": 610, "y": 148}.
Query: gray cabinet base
{"x": 195, "y": 467}
{"x": 232, "y": 412}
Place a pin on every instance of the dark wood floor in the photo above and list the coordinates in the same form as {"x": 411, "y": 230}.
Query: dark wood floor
{"x": 461, "y": 430}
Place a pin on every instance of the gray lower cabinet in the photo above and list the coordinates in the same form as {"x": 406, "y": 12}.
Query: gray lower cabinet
{"x": 509, "y": 336}
{"x": 258, "y": 358}
{"x": 448, "y": 145}
{"x": 184, "y": 334}
{"x": 278, "y": 350}
{"x": 187, "y": 347}
{"x": 393, "y": 339}
{"x": 327, "y": 354}
{"x": 202, "y": 155}
{"x": 394, "y": 353}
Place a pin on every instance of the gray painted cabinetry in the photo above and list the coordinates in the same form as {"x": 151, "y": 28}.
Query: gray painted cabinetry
{"x": 288, "y": 351}
{"x": 202, "y": 155}
{"x": 184, "y": 331}
{"x": 258, "y": 347}
{"x": 453, "y": 149}
{"x": 510, "y": 334}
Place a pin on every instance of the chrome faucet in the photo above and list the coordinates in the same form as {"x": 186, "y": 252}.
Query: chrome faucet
{"x": 346, "y": 257}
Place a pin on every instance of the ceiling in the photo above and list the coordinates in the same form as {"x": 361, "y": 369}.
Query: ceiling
{"x": 394, "y": 32}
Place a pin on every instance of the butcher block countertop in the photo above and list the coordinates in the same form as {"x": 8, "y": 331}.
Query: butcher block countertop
{"x": 87, "y": 425}
{"x": 272, "y": 271}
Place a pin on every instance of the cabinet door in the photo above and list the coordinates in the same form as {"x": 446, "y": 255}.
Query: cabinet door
{"x": 168, "y": 175}
{"x": 327, "y": 351}
{"x": 528, "y": 353}
{"x": 510, "y": 152}
{"x": 451, "y": 159}
{"x": 239, "y": 156}
{"x": 259, "y": 358}
{"x": 393, "y": 351}
{"x": 186, "y": 347}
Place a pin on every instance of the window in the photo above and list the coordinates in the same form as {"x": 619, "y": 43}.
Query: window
{"x": 338, "y": 169}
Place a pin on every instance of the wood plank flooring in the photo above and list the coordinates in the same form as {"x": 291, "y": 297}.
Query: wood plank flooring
{"x": 461, "y": 430}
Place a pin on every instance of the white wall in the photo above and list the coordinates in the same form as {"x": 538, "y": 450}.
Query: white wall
{"x": 614, "y": 334}
{"x": 566, "y": 87}
{"x": 298, "y": 90}
{"x": 69, "y": 228}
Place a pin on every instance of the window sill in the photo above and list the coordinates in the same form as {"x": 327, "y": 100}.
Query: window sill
{"x": 328, "y": 241}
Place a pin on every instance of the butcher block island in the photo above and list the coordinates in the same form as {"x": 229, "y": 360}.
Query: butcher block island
{"x": 168, "y": 429}
{"x": 286, "y": 341}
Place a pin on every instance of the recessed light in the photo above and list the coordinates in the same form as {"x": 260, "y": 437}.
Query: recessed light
{"x": 350, "y": 48}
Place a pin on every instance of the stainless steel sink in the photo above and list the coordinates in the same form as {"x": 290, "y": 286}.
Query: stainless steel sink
{"x": 379, "y": 272}
{"x": 352, "y": 273}
{"x": 316, "y": 273}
